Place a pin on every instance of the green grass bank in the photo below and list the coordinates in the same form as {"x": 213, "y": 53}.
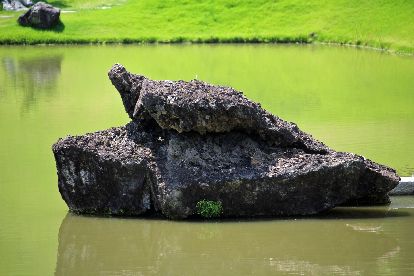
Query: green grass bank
{"x": 385, "y": 24}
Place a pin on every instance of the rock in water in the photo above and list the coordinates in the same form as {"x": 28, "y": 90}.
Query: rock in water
{"x": 40, "y": 15}
{"x": 190, "y": 141}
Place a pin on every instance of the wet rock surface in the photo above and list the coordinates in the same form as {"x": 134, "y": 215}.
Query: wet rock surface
{"x": 187, "y": 142}
{"x": 41, "y": 16}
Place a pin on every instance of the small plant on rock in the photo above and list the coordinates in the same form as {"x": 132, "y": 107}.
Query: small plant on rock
{"x": 209, "y": 208}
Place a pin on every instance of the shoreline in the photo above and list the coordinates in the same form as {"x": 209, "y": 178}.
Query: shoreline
{"x": 211, "y": 41}
{"x": 379, "y": 26}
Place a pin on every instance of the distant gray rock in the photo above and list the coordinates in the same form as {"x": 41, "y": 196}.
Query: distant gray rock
{"x": 40, "y": 15}
{"x": 405, "y": 187}
{"x": 172, "y": 156}
{"x": 15, "y": 5}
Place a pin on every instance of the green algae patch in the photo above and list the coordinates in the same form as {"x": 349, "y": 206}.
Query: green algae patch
{"x": 209, "y": 208}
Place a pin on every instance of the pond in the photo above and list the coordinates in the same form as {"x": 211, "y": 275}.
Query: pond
{"x": 352, "y": 99}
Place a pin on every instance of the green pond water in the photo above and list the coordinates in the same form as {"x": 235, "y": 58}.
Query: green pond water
{"x": 353, "y": 100}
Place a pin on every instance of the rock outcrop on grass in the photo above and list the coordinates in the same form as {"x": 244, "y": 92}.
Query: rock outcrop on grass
{"x": 41, "y": 16}
{"x": 192, "y": 141}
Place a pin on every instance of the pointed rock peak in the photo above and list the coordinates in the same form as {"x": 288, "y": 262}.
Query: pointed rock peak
{"x": 128, "y": 85}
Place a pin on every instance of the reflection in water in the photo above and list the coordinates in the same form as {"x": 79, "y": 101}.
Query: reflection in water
{"x": 90, "y": 246}
{"x": 34, "y": 76}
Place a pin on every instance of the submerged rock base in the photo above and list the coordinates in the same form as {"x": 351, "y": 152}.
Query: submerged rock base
{"x": 147, "y": 167}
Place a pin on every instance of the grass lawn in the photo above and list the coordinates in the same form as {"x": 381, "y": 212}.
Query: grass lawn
{"x": 387, "y": 24}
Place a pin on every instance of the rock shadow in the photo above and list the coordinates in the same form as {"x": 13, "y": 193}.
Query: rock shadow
{"x": 58, "y": 28}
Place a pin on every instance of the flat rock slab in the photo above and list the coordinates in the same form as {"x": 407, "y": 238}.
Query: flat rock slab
{"x": 138, "y": 168}
{"x": 405, "y": 187}
{"x": 204, "y": 108}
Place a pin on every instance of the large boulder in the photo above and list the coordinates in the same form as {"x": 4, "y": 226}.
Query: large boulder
{"x": 40, "y": 15}
{"x": 170, "y": 157}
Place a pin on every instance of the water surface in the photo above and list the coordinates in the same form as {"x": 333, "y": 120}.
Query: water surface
{"x": 353, "y": 100}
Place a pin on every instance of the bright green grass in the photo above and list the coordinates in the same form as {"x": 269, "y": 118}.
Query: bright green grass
{"x": 387, "y": 24}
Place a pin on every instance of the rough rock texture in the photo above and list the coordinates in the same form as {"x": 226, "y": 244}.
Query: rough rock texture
{"x": 201, "y": 107}
{"x": 103, "y": 173}
{"x": 40, "y": 15}
{"x": 158, "y": 165}
{"x": 115, "y": 171}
